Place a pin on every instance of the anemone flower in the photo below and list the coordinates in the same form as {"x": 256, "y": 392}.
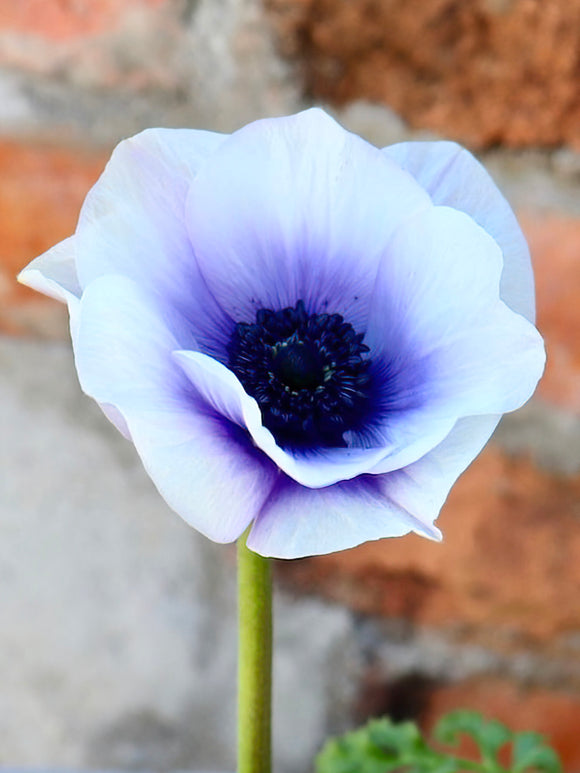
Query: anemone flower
{"x": 297, "y": 330}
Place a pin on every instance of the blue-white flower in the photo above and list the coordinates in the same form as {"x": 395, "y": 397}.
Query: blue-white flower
{"x": 296, "y": 329}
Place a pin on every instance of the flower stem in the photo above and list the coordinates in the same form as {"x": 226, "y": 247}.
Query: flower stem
{"x": 254, "y": 660}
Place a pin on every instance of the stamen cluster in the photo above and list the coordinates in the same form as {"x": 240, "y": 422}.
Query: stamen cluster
{"x": 308, "y": 373}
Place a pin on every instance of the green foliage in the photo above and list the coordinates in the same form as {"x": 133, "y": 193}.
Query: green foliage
{"x": 383, "y": 746}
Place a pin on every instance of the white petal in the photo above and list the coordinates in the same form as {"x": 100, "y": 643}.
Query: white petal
{"x": 297, "y": 208}
{"x": 54, "y": 272}
{"x": 132, "y": 220}
{"x": 116, "y": 418}
{"x": 202, "y": 464}
{"x": 436, "y": 317}
{"x": 453, "y": 177}
{"x": 422, "y": 487}
{"x": 203, "y": 470}
{"x": 297, "y": 521}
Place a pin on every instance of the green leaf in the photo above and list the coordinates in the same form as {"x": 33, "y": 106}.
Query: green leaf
{"x": 383, "y": 746}
{"x": 450, "y": 727}
{"x": 489, "y": 734}
{"x": 379, "y": 747}
{"x": 354, "y": 752}
{"x": 447, "y": 765}
{"x": 530, "y": 752}
{"x": 400, "y": 738}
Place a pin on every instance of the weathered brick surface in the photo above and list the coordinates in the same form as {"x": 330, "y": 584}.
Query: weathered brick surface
{"x": 555, "y": 245}
{"x": 105, "y": 70}
{"x": 67, "y": 18}
{"x": 128, "y": 45}
{"x": 487, "y": 72}
{"x": 41, "y": 191}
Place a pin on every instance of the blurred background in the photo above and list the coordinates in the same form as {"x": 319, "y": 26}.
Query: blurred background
{"x": 117, "y": 621}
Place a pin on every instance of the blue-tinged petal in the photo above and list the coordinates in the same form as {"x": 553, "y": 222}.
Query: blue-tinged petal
{"x": 453, "y": 177}
{"x": 132, "y": 224}
{"x": 54, "y": 272}
{"x": 406, "y": 438}
{"x": 297, "y": 522}
{"x": 116, "y": 418}
{"x": 204, "y": 470}
{"x": 293, "y": 209}
{"x": 405, "y": 435}
{"x": 123, "y": 355}
{"x": 422, "y": 487}
{"x": 136, "y": 208}
{"x": 223, "y": 392}
{"x": 450, "y": 345}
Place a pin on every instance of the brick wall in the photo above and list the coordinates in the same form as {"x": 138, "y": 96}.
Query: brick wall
{"x": 490, "y": 619}
{"x": 487, "y": 72}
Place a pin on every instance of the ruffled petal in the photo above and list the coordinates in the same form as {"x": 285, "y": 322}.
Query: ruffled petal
{"x": 451, "y": 347}
{"x": 422, "y": 487}
{"x": 132, "y": 224}
{"x": 453, "y": 177}
{"x": 297, "y": 522}
{"x": 135, "y": 210}
{"x": 203, "y": 468}
{"x": 116, "y": 418}
{"x": 293, "y": 209}
{"x": 201, "y": 463}
{"x": 54, "y": 272}
{"x": 222, "y": 390}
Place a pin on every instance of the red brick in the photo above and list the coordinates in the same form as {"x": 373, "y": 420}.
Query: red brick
{"x": 555, "y": 245}
{"x": 66, "y": 18}
{"x": 554, "y": 714}
{"x": 506, "y": 573}
{"x": 484, "y": 72}
{"x": 41, "y": 191}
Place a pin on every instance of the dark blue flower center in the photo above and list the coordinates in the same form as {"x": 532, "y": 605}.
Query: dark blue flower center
{"x": 309, "y": 374}
{"x": 297, "y": 364}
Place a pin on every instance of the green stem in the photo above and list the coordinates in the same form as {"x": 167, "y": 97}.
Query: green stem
{"x": 254, "y": 660}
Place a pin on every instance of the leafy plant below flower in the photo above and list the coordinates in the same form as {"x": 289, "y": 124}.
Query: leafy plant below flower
{"x": 382, "y": 746}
